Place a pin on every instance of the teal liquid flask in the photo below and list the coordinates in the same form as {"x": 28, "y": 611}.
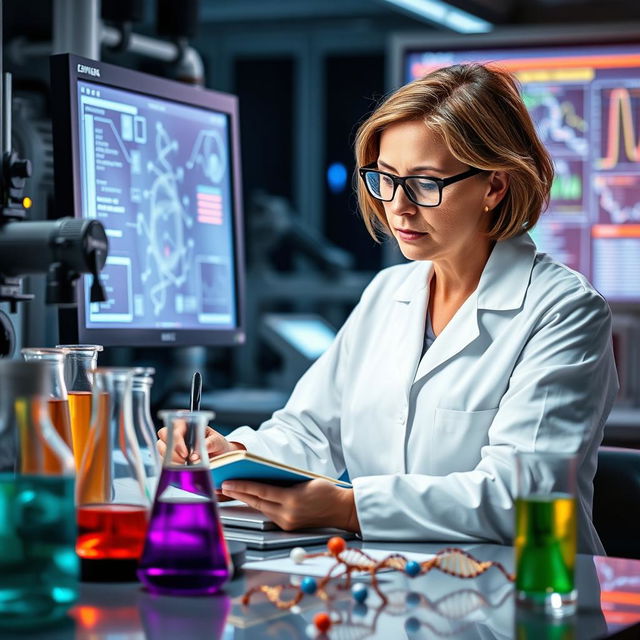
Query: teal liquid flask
{"x": 185, "y": 551}
{"x": 38, "y": 564}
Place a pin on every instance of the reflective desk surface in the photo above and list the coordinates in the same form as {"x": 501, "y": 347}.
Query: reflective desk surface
{"x": 434, "y": 605}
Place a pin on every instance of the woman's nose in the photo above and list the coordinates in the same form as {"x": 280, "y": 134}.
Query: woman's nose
{"x": 401, "y": 205}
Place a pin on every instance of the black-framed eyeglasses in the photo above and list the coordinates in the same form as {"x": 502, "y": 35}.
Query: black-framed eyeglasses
{"x": 425, "y": 191}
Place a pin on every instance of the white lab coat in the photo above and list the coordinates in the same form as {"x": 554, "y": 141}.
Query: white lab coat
{"x": 525, "y": 364}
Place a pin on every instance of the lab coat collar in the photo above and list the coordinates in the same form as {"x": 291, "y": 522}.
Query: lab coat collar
{"x": 506, "y": 275}
{"x": 502, "y": 286}
{"x": 416, "y": 281}
{"x": 504, "y": 280}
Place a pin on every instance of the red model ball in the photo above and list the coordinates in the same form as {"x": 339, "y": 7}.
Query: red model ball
{"x": 336, "y": 545}
{"x": 322, "y": 620}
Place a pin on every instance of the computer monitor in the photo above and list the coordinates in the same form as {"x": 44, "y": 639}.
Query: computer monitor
{"x": 158, "y": 163}
{"x": 582, "y": 88}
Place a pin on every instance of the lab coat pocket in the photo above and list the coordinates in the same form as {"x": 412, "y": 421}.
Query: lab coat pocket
{"x": 458, "y": 437}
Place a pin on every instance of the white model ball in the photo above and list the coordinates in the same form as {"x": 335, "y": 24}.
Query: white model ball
{"x": 297, "y": 555}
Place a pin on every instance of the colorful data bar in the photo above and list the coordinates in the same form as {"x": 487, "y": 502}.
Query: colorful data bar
{"x": 209, "y": 205}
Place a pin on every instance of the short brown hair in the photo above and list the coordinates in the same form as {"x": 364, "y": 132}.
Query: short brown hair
{"x": 482, "y": 119}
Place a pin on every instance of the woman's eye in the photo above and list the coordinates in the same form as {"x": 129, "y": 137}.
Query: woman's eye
{"x": 427, "y": 185}
{"x": 386, "y": 180}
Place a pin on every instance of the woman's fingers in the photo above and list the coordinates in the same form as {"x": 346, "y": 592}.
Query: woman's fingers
{"x": 215, "y": 444}
{"x": 256, "y": 502}
{"x": 161, "y": 445}
{"x": 179, "y": 450}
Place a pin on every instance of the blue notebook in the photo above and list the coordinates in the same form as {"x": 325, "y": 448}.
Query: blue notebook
{"x": 243, "y": 465}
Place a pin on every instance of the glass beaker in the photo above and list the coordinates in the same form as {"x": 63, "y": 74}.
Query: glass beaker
{"x": 185, "y": 551}
{"x": 58, "y": 402}
{"x": 38, "y": 564}
{"x": 79, "y": 360}
{"x": 112, "y": 495}
{"x": 545, "y": 531}
{"x": 143, "y": 422}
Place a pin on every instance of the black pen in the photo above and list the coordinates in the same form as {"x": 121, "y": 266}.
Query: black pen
{"x": 196, "y": 392}
{"x": 194, "y": 405}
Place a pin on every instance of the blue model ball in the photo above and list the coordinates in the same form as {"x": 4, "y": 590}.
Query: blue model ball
{"x": 412, "y": 568}
{"x": 413, "y": 599}
{"x": 412, "y": 625}
{"x": 309, "y": 585}
{"x": 359, "y": 592}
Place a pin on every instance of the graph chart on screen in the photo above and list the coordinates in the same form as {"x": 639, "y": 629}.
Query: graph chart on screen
{"x": 618, "y": 201}
{"x": 620, "y": 147}
{"x": 567, "y": 189}
{"x": 559, "y": 113}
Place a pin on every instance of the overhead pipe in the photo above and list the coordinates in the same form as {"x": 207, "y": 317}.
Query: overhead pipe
{"x": 77, "y": 28}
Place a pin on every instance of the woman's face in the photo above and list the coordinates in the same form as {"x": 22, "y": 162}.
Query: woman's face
{"x": 456, "y": 225}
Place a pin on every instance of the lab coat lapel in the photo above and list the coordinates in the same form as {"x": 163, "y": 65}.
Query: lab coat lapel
{"x": 502, "y": 287}
{"x": 460, "y": 332}
{"x": 411, "y": 300}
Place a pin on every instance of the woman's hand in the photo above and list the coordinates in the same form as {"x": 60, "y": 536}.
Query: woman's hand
{"x": 316, "y": 503}
{"x": 215, "y": 444}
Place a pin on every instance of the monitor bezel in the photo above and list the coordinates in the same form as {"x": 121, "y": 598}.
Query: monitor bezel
{"x": 402, "y": 44}
{"x": 66, "y": 71}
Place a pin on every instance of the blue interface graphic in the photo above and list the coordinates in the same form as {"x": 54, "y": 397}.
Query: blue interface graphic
{"x": 157, "y": 174}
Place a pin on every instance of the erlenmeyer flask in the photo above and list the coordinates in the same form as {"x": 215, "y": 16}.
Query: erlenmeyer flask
{"x": 185, "y": 550}
{"x": 112, "y": 496}
{"x": 143, "y": 423}
{"x": 58, "y": 403}
{"x": 38, "y": 564}
{"x": 79, "y": 360}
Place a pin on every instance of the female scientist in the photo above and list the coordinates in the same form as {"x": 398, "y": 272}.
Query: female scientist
{"x": 478, "y": 347}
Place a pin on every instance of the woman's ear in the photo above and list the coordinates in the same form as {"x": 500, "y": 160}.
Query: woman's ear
{"x": 497, "y": 188}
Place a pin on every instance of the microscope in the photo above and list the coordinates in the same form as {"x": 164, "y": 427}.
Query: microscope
{"x": 63, "y": 249}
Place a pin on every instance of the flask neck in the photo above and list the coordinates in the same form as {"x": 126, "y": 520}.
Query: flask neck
{"x": 54, "y": 362}
{"x": 186, "y": 439}
{"x": 77, "y": 370}
{"x": 141, "y": 393}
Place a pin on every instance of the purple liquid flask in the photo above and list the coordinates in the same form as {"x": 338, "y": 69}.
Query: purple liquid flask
{"x": 185, "y": 552}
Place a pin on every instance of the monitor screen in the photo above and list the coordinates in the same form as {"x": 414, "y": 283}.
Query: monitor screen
{"x": 157, "y": 162}
{"x": 585, "y": 102}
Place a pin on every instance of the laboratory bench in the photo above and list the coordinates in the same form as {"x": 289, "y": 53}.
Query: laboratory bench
{"x": 432, "y": 605}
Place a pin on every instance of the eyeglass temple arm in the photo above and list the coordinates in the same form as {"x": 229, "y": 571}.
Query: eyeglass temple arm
{"x": 461, "y": 176}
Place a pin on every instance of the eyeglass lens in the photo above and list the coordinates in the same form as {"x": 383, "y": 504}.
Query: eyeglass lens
{"x": 422, "y": 191}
